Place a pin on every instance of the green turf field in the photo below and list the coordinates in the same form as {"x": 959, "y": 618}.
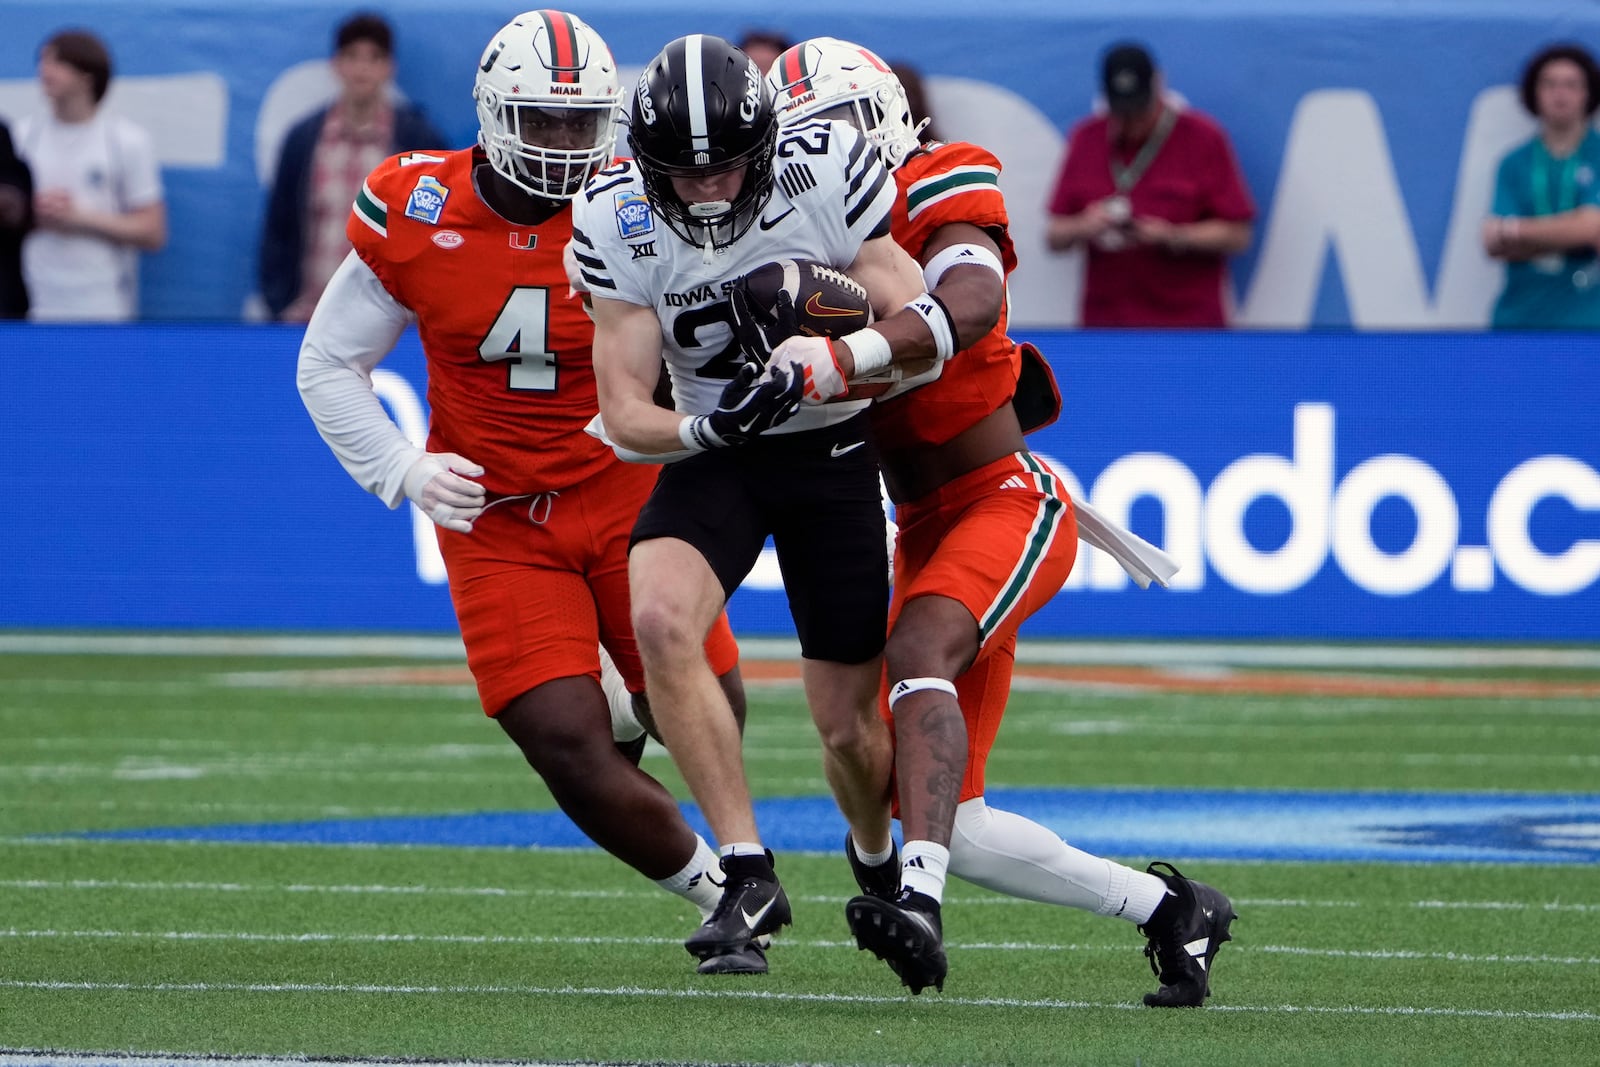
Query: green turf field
{"x": 430, "y": 952}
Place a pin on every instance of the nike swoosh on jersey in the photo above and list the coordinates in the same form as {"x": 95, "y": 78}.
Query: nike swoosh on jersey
{"x": 838, "y": 450}
{"x": 767, "y": 224}
{"x": 760, "y": 913}
{"x": 815, "y": 306}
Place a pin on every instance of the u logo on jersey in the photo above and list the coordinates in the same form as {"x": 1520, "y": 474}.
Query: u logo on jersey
{"x": 524, "y": 242}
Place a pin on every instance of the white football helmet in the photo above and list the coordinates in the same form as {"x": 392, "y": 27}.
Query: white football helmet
{"x": 829, "y": 78}
{"x": 547, "y": 92}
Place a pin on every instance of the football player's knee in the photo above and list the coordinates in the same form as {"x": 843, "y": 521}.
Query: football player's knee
{"x": 920, "y": 653}
{"x": 661, "y": 633}
{"x": 849, "y": 734}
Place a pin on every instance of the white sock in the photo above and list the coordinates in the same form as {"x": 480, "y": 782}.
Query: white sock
{"x": 1002, "y": 851}
{"x": 922, "y": 867}
{"x": 694, "y": 883}
{"x": 744, "y": 848}
{"x": 872, "y": 859}
{"x": 624, "y": 724}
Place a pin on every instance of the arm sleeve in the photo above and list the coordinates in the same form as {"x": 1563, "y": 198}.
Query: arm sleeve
{"x": 1229, "y": 197}
{"x": 279, "y": 264}
{"x": 870, "y": 193}
{"x": 1506, "y": 201}
{"x": 142, "y": 175}
{"x": 354, "y": 327}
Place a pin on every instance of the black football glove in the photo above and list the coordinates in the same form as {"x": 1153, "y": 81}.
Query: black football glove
{"x": 749, "y": 407}
{"x": 759, "y": 330}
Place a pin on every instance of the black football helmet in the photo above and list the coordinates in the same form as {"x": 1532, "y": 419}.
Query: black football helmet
{"x": 703, "y": 108}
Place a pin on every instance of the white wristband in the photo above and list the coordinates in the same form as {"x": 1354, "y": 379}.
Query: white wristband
{"x": 937, "y": 317}
{"x": 870, "y": 351}
{"x": 695, "y": 434}
{"x": 961, "y": 256}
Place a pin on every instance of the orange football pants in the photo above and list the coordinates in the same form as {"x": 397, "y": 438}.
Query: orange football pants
{"x": 542, "y": 581}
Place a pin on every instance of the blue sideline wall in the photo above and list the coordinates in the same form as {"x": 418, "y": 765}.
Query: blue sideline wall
{"x": 1367, "y": 129}
{"x": 1362, "y": 485}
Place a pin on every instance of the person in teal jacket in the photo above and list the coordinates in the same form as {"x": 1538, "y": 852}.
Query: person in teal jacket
{"x": 1546, "y": 221}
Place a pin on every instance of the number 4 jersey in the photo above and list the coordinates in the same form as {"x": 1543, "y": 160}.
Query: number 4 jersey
{"x": 510, "y": 382}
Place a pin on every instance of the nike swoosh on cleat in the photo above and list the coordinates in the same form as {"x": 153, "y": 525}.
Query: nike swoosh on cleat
{"x": 767, "y": 224}
{"x": 839, "y": 450}
{"x": 760, "y": 913}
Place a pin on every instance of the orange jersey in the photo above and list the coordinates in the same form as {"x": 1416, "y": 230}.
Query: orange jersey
{"x": 510, "y": 382}
{"x": 941, "y": 184}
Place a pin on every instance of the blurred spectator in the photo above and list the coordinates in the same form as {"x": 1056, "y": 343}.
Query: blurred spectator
{"x": 98, "y": 199}
{"x": 764, "y": 46}
{"x": 16, "y": 218}
{"x": 324, "y": 159}
{"x": 917, "y": 97}
{"x": 1546, "y": 220}
{"x": 1153, "y": 191}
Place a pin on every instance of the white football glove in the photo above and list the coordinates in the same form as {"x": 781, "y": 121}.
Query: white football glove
{"x": 435, "y": 483}
{"x": 814, "y": 364}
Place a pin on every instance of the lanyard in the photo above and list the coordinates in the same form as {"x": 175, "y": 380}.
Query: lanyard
{"x": 1566, "y": 177}
{"x": 1124, "y": 178}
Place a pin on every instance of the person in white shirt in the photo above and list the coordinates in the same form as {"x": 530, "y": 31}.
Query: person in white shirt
{"x": 98, "y": 199}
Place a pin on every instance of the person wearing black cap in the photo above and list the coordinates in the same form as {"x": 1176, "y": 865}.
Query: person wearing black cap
{"x": 1152, "y": 191}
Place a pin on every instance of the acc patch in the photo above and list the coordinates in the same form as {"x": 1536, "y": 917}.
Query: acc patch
{"x": 427, "y": 200}
{"x": 634, "y": 218}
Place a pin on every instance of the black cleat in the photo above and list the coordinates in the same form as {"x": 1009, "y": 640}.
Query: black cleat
{"x": 882, "y": 881}
{"x": 753, "y": 904}
{"x": 750, "y": 959}
{"x": 1184, "y": 934}
{"x": 905, "y": 933}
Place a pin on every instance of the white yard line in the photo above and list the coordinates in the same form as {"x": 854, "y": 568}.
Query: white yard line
{"x": 102, "y": 1059}
{"x": 726, "y": 993}
{"x": 321, "y": 938}
{"x": 52, "y": 885}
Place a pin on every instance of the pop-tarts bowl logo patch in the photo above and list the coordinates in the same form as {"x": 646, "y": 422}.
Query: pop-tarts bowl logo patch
{"x": 634, "y": 218}
{"x": 427, "y": 200}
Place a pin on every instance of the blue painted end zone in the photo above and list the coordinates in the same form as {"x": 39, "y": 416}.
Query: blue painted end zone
{"x": 1199, "y": 824}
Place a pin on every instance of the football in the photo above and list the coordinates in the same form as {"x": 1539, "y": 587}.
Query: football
{"x": 802, "y": 296}
{"x": 826, "y": 302}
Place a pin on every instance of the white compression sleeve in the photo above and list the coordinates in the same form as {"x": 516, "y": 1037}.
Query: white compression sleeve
{"x": 1002, "y": 851}
{"x": 355, "y": 325}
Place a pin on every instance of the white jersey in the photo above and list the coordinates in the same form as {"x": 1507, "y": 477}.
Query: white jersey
{"x": 108, "y": 164}
{"x": 830, "y": 194}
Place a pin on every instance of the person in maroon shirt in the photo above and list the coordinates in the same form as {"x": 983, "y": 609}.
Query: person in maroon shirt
{"x": 1152, "y": 190}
